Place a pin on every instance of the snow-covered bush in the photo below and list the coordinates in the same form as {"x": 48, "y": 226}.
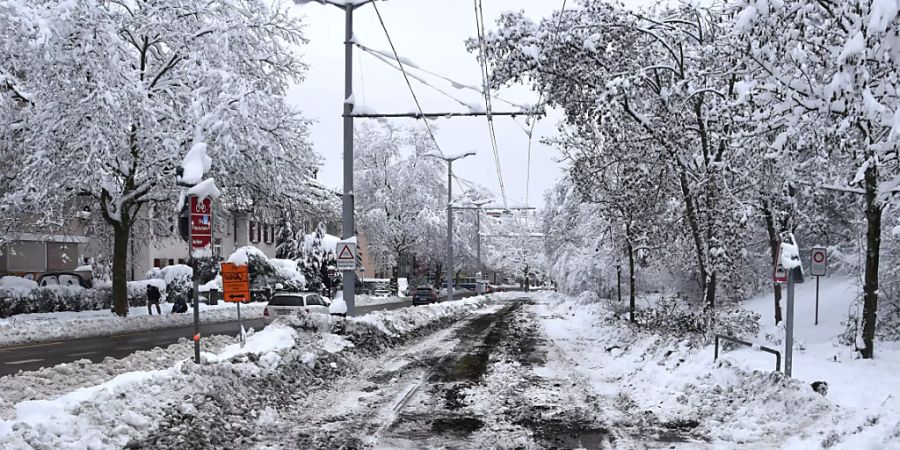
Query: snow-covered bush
{"x": 668, "y": 316}
{"x": 177, "y": 278}
{"x": 288, "y": 274}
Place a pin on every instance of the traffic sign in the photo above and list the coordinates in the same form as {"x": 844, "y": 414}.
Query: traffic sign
{"x": 819, "y": 265}
{"x": 235, "y": 283}
{"x": 346, "y": 255}
{"x": 779, "y": 274}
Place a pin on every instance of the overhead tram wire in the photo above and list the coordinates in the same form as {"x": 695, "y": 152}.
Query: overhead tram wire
{"x": 454, "y": 83}
{"x": 485, "y": 77}
{"x": 389, "y": 61}
{"x": 562, "y": 10}
{"x": 409, "y": 85}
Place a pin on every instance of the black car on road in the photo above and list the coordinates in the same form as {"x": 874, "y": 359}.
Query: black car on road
{"x": 424, "y": 295}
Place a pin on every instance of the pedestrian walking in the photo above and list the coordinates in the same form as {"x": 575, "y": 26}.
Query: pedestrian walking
{"x": 153, "y": 299}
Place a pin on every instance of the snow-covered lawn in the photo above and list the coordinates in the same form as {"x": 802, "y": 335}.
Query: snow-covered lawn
{"x": 867, "y": 391}
{"x": 151, "y": 400}
{"x": 48, "y": 327}
{"x": 739, "y": 401}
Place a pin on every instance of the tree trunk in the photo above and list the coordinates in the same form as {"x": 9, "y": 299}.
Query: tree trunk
{"x": 873, "y": 250}
{"x": 694, "y": 223}
{"x": 632, "y": 297}
{"x": 121, "y": 234}
{"x": 773, "y": 247}
{"x": 711, "y": 292}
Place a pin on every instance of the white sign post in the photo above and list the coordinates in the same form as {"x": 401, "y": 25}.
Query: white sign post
{"x": 346, "y": 255}
{"x": 818, "y": 268}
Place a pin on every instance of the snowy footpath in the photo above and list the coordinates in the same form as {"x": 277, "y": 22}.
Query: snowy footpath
{"x": 48, "y": 327}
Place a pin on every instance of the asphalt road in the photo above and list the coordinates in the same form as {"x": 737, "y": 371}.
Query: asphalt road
{"x": 36, "y": 356}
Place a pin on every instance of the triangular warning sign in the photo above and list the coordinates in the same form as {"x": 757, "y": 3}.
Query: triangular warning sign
{"x": 345, "y": 253}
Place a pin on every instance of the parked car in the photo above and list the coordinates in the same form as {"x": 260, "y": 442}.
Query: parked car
{"x": 63, "y": 279}
{"x": 287, "y": 303}
{"x": 424, "y": 295}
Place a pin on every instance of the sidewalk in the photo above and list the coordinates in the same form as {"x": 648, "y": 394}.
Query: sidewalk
{"x": 49, "y": 327}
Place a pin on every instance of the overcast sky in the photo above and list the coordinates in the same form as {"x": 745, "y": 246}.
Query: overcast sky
{"x": 430, "y": 33}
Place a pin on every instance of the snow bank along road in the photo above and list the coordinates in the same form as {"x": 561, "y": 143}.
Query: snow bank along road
{"x": 48, "y": 354}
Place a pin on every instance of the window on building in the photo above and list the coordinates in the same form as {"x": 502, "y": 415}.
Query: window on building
{"x": 159, "y": 263}
{"x": 253, "y": 232}
{"x": 62, "y": 256}
{"x": 172, "y": 261}
{"x": 27, "y": 256}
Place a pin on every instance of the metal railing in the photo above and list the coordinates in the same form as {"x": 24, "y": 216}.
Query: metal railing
{"x": 749, "y": 344}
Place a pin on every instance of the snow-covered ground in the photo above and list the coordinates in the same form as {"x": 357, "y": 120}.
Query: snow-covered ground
{"x": 557, "y": 371}
{"x": 739, "y": 401}
{"x": 47, "y": 327}
{"x": 867, "y": 392}
{"x": 159, "y": 404}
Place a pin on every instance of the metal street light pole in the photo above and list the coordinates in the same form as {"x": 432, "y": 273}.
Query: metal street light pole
{"x": 449, "y": 229}
{"x": 348, "y": 228}
{"x": 478, "y": 241}
{"x": 449, "y": 161}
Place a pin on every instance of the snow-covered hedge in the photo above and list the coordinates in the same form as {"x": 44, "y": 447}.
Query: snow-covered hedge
{"x": 18, "y": 299}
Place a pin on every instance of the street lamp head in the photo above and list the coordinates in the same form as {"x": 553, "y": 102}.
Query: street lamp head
{"x": 461, "y": 156}
{"x": 339, "y": 3}
{"x": 449, "y": 158}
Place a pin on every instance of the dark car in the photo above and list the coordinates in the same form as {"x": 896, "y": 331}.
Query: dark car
{"x": 63, "y": 279}
{"x": 424, "y": 295}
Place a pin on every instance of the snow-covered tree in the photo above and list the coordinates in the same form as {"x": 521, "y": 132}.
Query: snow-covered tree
{"x": 106, "y": 97}
{"x": 833, "y": 67}
{"x": 400, "y": 193}
{"x": 314, "y": 259}
{"x": 659, "y": 84}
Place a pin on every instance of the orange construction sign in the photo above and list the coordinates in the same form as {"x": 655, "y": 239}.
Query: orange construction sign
{"x": 235, "y": 283}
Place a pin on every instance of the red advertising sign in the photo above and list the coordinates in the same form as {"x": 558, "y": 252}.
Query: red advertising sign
{"x": 201, "y": 242}
{"x": 201, "y": 223}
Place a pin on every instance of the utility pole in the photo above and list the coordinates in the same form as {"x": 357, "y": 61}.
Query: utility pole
{"x": 449, "y": 230}
{"x": 478, "y": 241}
{"x": 449, "y": 160}
{"x": 348, "y": 227}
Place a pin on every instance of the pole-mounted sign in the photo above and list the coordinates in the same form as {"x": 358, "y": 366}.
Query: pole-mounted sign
{"x": 346, "y": 255}
{"x": 236, "y": 289}
{"x": 819, "y": 266}
{"x": 235, "y": 283}
{"x": 201, "y": 224}
{"x": 779, "y": 274}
